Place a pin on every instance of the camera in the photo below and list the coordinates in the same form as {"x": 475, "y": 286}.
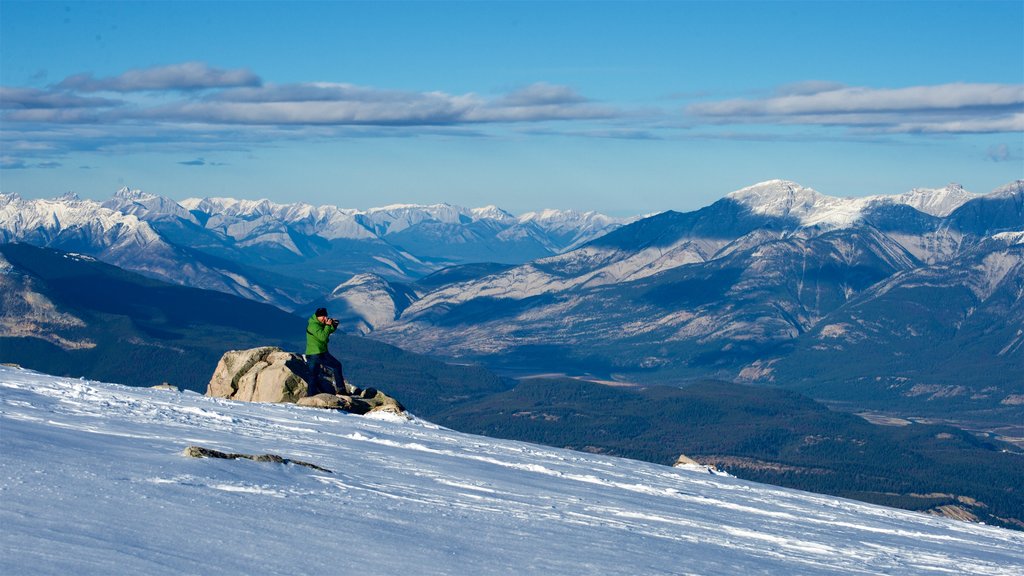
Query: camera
{"x": 333, "y": 322}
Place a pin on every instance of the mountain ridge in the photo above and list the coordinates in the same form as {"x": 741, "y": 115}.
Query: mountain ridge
{"x": 255, "y": 242}
{"x": 727, "y": 291}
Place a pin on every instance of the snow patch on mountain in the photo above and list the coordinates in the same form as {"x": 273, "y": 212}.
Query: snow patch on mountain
{"x": 931, "y": 247}
{"x": 939, "y": 202}
{"x": 993, "y": 270}
{"x": 786, "y": 199}
{"x": 1011, "y": 238}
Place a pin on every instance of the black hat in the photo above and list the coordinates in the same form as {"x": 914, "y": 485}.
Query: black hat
{"x": 320, "y": 312}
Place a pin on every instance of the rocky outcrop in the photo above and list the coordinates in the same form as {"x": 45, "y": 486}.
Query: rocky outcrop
{"x": 688, "y": 463}
{"x": 265, "y": 374}
{"x": 200, "y": 452}
{"x": 269, "y": 374}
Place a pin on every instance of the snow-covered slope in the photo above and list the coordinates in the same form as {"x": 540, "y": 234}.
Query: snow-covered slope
{"x": 367, "y": 302}
{"x": 938, "y": 201}
{"x": 786, "y": 199}
{"x": 94, "y": 482}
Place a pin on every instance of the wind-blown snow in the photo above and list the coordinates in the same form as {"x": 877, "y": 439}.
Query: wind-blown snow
{"x": 93, "y": 481}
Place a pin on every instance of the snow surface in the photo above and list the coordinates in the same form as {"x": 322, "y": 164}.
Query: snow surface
{"x": 93, "y": 481}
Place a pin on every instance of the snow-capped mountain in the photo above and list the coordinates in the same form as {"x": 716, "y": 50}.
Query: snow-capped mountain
{"x": 123, "y": 239}
{"x": 789, "y": 200}
{"x": 239, "y": 219}
{"x": 723, "y": 289}
{"x": 95, "y": 482}
{"x": 287, "y": 254}
{"x": 333, "y": 223}
{"x": 85, "y": 221}
{"x": 398, "y": 242}
{"x": 148, "y": 207}
{"x": 571, "y": 228}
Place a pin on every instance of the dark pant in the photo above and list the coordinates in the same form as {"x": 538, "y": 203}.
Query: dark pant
{"x": 318, "y": 385}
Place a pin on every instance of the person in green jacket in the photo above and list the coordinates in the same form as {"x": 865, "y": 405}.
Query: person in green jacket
{"x": 318, "y": 333}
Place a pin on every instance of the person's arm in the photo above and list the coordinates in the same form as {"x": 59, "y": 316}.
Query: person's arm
{"x": 320, "y": 331}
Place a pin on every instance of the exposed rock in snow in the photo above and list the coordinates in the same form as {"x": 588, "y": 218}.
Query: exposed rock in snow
{"x": 200, "y": 452}
{"x": 269, "y": 374}
{"x": 688, "y": 463}
{"x": 260, "y": 375}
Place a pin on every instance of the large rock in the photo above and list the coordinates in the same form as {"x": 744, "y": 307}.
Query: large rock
{"x": 265, "y": 374}
{"x": 269, "y": 374}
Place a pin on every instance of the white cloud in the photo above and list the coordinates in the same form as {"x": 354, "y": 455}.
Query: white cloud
{"x": 305, "y": 104}
{"x": 32, "y": 98}
{"x": 193, "y": 106}
{"x": 185, "y": 76}
{"x": 951, "y": 108}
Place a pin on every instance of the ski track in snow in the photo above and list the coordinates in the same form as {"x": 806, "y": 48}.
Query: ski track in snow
{"x": 92, "y": 481}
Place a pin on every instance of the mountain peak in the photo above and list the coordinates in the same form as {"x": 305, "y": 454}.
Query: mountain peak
{"x": 491, "y": 212}
{"x": 782, "y": 198}
{"x": 133, "y": 194}
{"x": 1008, "y": 190}
{"x": 939, "y": 202}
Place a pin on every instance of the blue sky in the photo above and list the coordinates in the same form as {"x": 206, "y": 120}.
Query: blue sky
{"x": 625, "y": 108}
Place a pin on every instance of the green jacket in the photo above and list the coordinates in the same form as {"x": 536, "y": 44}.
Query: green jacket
{"x": 317, "y": 335}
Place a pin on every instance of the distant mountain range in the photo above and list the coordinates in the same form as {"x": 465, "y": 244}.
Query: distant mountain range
{"x": 910, "y": 301}
{"x": 288, "y": 254}
{"x": 890, "y": 300}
